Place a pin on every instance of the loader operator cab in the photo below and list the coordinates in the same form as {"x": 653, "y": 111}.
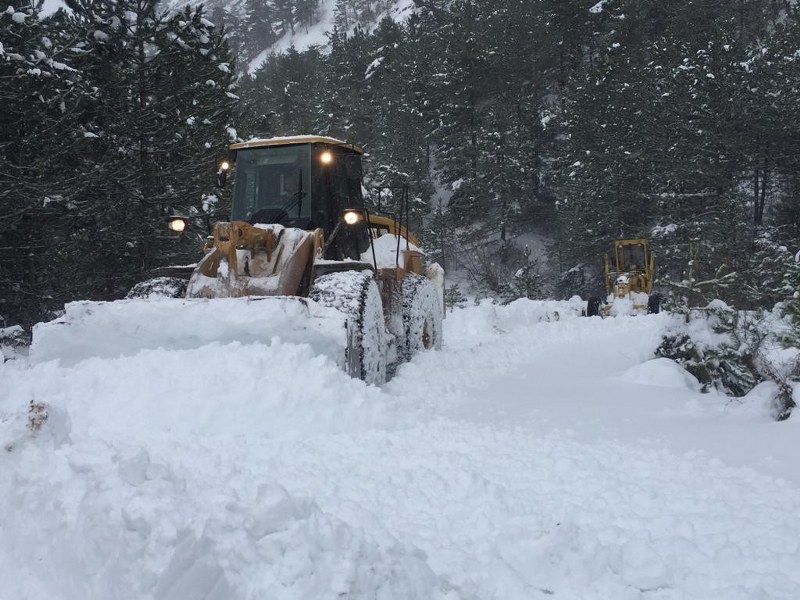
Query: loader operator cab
{"x": 304, "y": 182}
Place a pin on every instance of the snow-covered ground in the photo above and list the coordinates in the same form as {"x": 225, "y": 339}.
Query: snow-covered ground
{"x": 531, "y": 458}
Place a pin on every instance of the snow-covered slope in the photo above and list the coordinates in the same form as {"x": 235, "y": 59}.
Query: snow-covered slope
{"x": 317, "y": 34}
{"x": 531, "y": 458}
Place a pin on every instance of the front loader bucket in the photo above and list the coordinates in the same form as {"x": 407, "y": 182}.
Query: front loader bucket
{"x": 125, "y": 327}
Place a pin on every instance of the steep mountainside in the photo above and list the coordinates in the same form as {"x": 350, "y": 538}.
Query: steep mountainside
{"x": 260, "y": 27}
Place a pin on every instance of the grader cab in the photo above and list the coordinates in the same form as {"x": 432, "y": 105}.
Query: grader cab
{"x": 628, "y": 273}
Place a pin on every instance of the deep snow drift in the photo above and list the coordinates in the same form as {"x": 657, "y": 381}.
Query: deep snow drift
{"x": 533, "y": 457}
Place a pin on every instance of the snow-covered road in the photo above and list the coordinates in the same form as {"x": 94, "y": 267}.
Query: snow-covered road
{"x": 530, "y": 458}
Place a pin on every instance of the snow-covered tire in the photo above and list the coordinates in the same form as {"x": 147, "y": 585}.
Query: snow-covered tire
{"x": 356, "y": 294}
{"x": 654, "y": 304}
{"x": 422, "y": 316}
{"x": 593, "y": 306}
{"x": 160, "y": 287}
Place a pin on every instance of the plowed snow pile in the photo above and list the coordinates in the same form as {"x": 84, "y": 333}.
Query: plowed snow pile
{"x": 531, "y": 458}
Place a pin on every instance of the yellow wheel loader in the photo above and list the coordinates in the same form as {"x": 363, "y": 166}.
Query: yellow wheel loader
{"x": 628, "y": 275}
{"x": 301, "y": 258}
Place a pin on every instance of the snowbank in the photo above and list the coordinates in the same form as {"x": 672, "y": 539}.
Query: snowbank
{"x": 662, "y": 372}
{"x": 124, "y": 327}
{"x": 533, "y": 457}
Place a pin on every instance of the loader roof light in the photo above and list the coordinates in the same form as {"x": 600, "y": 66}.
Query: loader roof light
{"x": 177, "y": 224}
{"x": 222, "y": 173}
{"x": 326, "y": 157}
{"x": 353, "y": 217}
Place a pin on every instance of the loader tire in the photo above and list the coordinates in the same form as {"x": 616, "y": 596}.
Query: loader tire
{"x": 356, "y": 294}
{"x": 593, "y": 306}
{"x": 422, "y": 316}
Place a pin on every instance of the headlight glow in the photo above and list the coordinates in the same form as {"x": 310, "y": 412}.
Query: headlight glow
{"x": 225, "y": 165}
{"x": 351, "y": 217}
{"x": 326, "y": 157}
{"x": 177, "y": 225}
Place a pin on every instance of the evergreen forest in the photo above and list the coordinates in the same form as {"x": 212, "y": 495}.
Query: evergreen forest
{"x": 512, "y": 121}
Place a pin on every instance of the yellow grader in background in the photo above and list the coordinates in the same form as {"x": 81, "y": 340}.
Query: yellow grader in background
{"x": 300, "y": 256}
{"x": 628, "y": 276}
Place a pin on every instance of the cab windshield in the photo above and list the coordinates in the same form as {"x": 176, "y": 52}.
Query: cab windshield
{"x": 632, "y": 258}
{"x": 272, "y": 185}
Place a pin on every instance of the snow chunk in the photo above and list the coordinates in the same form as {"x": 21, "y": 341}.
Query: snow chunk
{"x": 718, "y": 304}
{"x": 373, "y": 66}
{"x": 757, "y": 403}
{"x": 18, "y": 17}
{"x": 598, "y": 8}
{"x": 387, "y": 252}
{"x": 660, "y": 230}
{"x": 662, "y": 372}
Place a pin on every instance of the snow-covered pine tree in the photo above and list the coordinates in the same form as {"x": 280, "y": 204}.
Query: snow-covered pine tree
{"x": 790, "y": 290}
{"x": 258, "y": 19}
{"x": 39, "y": 88}
{"x": 151, "y": 133}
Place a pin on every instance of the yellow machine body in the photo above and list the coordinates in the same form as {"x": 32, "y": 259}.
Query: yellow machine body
{"x": 628, "y": 274}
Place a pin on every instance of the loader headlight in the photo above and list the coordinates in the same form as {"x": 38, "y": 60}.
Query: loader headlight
{"x": 177, "y": 224}
{"x": 352, "y": 217}
{"x": 225, "y": 165}
{"x": 326, "y": 157}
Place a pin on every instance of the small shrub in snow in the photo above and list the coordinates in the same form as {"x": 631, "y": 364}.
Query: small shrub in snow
{"x": 790, "y": 289}
{"x": 503, "y": 269}
{"x": 721, "y": 361}
{"x": 527, "y": 282}
{"x": 699, "y": 291}
{"x": 13, "y": 342}
{"x": 453, "y": 297}
{"x": 790, "y": 338}
{"x": 732, "y": 351}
